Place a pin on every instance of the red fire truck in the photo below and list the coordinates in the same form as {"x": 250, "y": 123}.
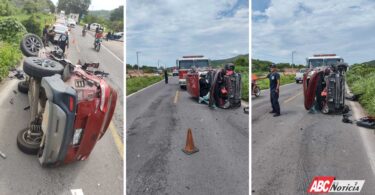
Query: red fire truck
{"x": 186, "y": 63}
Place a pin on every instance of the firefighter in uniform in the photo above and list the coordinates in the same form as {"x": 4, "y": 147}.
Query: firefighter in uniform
{"x": 274, "y": 78}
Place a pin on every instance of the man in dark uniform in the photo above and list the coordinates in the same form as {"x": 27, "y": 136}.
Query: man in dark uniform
{"x": 64, "y": 41}
{"x": 274, "y": 78}
{"x": 166, "y": 76}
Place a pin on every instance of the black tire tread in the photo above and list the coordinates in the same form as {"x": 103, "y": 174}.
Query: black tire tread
{"x": 24, "y": 147}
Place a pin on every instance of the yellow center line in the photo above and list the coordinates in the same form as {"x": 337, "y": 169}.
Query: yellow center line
{"x": 117, "y": 139}
{"x": 291, "y": 98}
{"x": 176, "y": 97}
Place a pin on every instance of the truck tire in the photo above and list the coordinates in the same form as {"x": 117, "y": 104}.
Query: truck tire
{"x": 23, "y": 86}
{"x": 40, "y": 67}
{"x": 25, "y": 146}
{"x": 31, "y": 44}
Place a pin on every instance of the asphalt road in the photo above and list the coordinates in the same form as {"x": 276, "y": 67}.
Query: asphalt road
{"x": 288, "y": 151}
{"x": 101, "y": 173}
{"x": 157, "y": 122}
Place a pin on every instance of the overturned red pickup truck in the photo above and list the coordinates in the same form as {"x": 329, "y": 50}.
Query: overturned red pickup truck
{"x": 324, "y": 83}
{"x": 216, "y": 87}
{"x": 71, "y": 105}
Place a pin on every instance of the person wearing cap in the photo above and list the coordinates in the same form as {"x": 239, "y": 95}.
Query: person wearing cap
{"x": 274, "y": 78}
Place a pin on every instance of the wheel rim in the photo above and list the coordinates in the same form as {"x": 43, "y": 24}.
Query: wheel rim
{"x": 44, "y": 63}
{"x": 31, "y": 139}
{"x": 32, "y": 44}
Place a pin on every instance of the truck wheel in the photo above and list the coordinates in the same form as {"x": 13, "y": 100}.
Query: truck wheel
{"x": 25, "y": 145}
{"x": 31, "y": 44}
{"x": 40, "y": 67}
{"x": 23, "y": 87}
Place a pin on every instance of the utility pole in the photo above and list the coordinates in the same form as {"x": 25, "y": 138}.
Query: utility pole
{"x": 138, "y": 52}
{"x": 158, "y": 64}
{"x": 293, "y": 52}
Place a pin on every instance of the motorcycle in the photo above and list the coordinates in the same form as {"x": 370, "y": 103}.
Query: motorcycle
{"x": 255, "y": 89}
{"x": 97, "y": 44}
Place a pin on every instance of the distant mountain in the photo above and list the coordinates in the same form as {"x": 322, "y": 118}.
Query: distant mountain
{"x": 221, "y": 62}
{"x": 370, "y": 63}
{"x": 101, "y": 13}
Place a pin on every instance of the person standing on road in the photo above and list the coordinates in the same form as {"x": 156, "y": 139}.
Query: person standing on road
{"x": 45, "y": 35}
{"x": 166, "y": 76}
{"x": 274, "y": 78}
{"x": 64, "y": 41}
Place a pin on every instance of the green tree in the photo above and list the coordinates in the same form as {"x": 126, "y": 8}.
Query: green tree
{"x": 74, "y": 6}
{"x": 117, "y": 14}
{"x": 6, "y": 9}
{"x": 31, "y": 7}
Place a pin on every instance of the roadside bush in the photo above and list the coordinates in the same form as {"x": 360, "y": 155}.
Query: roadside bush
{"x": 11, "y": 30}
{"x": 137, "y": 83}
{"x": 10, "y": 56}
{"x": 33, "y": 25}
{"x": 6, "y": 9}
{"x": 361, "y": 80}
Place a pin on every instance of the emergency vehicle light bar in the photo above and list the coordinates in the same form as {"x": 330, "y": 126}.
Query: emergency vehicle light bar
{"x": 193, "y": 56}
{"x": 322, "y": 55}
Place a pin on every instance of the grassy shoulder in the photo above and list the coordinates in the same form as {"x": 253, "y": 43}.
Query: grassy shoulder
{"x": 265, "y": 83}
{"x": 135, "y": 84}
{"x": 244, "y": 70}
{"x": 361, "y": 81}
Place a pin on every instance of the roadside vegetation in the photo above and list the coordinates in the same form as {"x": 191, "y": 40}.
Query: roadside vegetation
{"x": 361, "y": 80}
{"x": 111, "y": 20}
{"x": 135, "y": 84}
{"x": 18, "y": 17}
{"x": 261, "y": 68}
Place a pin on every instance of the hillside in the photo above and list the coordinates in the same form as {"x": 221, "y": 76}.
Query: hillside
{"x": 41, "y": 4}
{"x": 100, "y": 13}
{"x": 221, "y": 62}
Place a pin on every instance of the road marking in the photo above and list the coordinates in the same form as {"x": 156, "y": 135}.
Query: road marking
{"x": 291, "y": 98}
{"x": 117, "y": 139}
{"x": 113, "y": 54}
{"x": 176, "y": 96}
{"x": 143, "y": 89}
{"x": 76, "y": 191}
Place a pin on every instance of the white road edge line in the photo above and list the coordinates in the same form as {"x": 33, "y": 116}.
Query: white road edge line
{"x": 113, "y": 54}
{"x": 143, "y": 89}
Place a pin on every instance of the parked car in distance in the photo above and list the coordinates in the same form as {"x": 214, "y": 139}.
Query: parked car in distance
{"x": 175, "y": 72}
{"x": 71, "y": 23}
{"x": 299, "y": 75}
{"x": 93, "y": 26}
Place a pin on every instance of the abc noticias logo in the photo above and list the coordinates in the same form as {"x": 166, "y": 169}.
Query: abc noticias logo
{"x": 326, "y": 184}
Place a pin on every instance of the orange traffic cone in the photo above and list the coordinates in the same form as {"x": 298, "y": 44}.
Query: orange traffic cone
{"x": 190, "y": 148}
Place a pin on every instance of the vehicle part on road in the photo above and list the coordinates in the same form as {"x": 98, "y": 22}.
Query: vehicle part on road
{"x": 354, "y": 97}
{"x": 345, "y": 118}
{"x": 31, "y": 44}
{"x": 29, "y": 139}
{"x": 368, "y": 122}
{"x": 3, "y": 155}
{"x": 190, "y": 147}
{"x": 246, "y": 110}
{"x": 40, "y": 67}
{"x": 23, "y": 86}
{"x": 324, "y": 83}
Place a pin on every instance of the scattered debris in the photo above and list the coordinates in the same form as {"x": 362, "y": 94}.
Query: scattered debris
{"x": 11, "y": 101}
{"x": 246, "y": 110}
{"x": 16, "y": 73}
{"x": 353, "y": 97}
{"x": 367, "y": 122}
{"x": 345, "y": 118}
{"x": 14, "y": 91}
{"x": 3, "y": 155}
{"x": 27, "y": 108}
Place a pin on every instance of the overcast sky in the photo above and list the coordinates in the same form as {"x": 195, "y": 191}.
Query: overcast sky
{"x": 102, "y": 4}
{"x": 343, "y": 27}
{"x": 169, "y": 29}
